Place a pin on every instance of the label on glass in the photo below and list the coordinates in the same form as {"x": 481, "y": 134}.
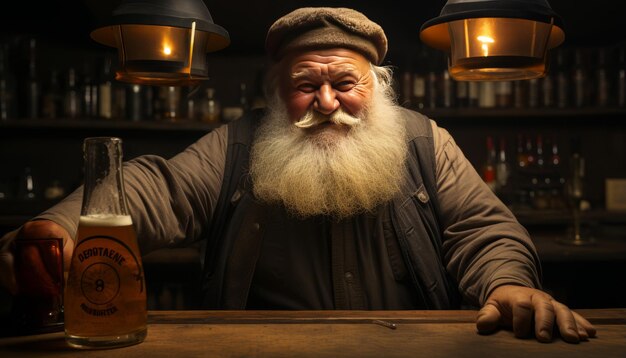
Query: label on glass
{"x": 106, "y": 288}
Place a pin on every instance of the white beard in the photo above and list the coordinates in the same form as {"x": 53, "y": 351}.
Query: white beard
{"x": 347, "y": 175}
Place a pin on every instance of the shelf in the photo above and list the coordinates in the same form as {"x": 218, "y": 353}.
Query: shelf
{"x": 48, "y": 124}
{"x": 501, "y": 114}
{"x": 560, "y": 217}
{"x": 526, "y": 113}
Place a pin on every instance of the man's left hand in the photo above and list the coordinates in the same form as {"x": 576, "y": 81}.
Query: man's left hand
{"x": 526, "y": 310}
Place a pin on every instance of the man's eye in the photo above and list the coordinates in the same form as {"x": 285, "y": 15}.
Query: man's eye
{"x": 306, "y": 87}
{"x": 344, "y": 85}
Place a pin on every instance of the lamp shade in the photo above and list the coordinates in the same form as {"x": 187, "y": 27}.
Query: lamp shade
{"x": 162, "y": 42}
{"x": 495, "y": 39}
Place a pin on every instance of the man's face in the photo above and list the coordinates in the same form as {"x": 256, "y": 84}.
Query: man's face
{"x": 325, "y": 81}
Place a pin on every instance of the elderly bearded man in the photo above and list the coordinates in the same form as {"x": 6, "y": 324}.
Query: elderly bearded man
{"x": 335, "y": 197}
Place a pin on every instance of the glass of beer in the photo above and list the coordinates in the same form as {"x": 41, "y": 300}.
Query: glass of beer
{"x": 105, "y": 298}
{"x": 38, "y": 305}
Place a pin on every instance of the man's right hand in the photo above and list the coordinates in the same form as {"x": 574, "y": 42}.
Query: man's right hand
{"x": 30, "y": 230}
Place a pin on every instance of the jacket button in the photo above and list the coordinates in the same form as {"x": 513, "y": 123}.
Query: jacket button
{"x": 348, "y": 276}
{"x": 256, "y": 226}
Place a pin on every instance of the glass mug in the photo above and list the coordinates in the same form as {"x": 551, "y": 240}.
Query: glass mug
{"x": 38, "y": 304}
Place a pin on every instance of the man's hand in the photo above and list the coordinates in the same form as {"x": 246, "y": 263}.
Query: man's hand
{"x": 521, "y": 308}
{"x": 30, "y": 230}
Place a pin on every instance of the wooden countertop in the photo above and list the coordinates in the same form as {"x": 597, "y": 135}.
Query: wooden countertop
{"x": 332, "y": 334}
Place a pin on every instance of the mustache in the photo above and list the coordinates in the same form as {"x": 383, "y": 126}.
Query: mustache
{"x": 313, "y": 118}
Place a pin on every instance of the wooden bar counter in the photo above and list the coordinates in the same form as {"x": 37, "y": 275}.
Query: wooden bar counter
{"x": 331, "y": 334}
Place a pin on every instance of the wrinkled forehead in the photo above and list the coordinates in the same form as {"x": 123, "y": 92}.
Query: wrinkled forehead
{"x": 330, "y": 61}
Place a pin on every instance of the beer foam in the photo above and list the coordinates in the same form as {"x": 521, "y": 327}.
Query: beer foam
{"x": 105, "y": 220}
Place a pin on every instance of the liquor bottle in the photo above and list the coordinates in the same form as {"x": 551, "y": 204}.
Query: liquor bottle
{"x": 562, "y": 89}
{"x": 462, "y": 94}
{"x": 72, "y": 103}
{"x": 533, "y": 93}
{"x": 26, "y": 190}
{"x": 105, "y": 297}
{"x": 522, "y": 158}
{"x": 520, "y": 94}
{"x": 89, "y": 92}
{"x": 134, "y": 103}
{"x": 489, "y": 170}
{"x": 547, "y": 91}
{"x": 34, "y": 87}
{"x": 579, "y": 76}
{"x": 503, "y": 170}
{"x": 487, "y": 94}
{"x": 540, "y": 157}
{"x": 105, "y": 90}
{"x": 7, "y": 86}
{"x": 473, "y": 94}
{"x": 52, "y": 99}
{"x": 432, "y": 81}
{"x": 602, "y": 89}
{"x": 419, "y": 79}
{"x": 621, "y": 76}
{"x": 504, "y": 94}
{"x": 447, "y": 89}
{"x": 211, "y": 109}
{"x": 557, "y": 179}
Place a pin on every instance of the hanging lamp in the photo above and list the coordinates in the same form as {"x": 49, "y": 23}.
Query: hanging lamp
{"x": 495, "y": 40}
{"x": 162, "y": 42}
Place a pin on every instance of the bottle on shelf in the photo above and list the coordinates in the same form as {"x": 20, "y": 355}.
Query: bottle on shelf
{"x": 473, "y": 94}
{"x": 7, "y": 86}
{"x": 621, "y": 76}
{"x": 462, "y": 94}
{"x": 211, "y": 108}
{"x": 489, "y": 170}
{"x": 533, "y": 93}
{"x": 580, "y": 79}
{"x": 432, "y": 80}
{"x": 105, "y": 89}
{"x": 503, "y": 171}
{"x": 487, "y": 94}
{"x": 520, "y": 94}
{"x": 27, "y": 188}
{"x": 72, "y": 101}
{"x": 171, "y": 102}
{"x": 602, "y": 85}
{"x": 52, "y": 99}
{"x": 547, "y": 91}
{"x": 89, "y": 91}
{"x": 34, "y": 85}
{"x": 562, "y": 79}
{"x": 504, "y": 94}
{"x": 419, "y": 79}
{"x": 557, "y": 179}
{"x": 447, "y": 89}
{"x": 134, "y": 103}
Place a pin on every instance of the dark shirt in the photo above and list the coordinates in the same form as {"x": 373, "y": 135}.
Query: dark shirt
{"x": 345, "y": 267}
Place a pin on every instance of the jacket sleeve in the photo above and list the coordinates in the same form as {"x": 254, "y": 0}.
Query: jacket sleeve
{"x": 171, "y": 201}
{"x": 484, "y": 245}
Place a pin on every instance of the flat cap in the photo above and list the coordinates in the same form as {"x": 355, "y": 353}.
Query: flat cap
{"x": 326, "y": 27}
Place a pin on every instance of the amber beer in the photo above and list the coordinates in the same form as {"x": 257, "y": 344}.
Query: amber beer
{"x": 105, "y": 296}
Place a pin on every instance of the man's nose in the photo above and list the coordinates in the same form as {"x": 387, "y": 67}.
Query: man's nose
{"x": 326, "y": 101}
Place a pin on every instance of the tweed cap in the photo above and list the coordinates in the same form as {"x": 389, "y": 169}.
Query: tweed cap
{"x": 326, "y": 27}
